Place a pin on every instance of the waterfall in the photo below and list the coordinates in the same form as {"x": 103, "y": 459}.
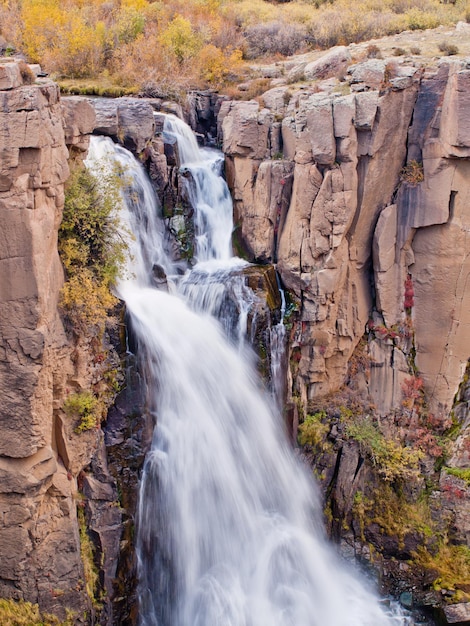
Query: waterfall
{"x": 208, "y": 193}
{"x": 278, "y": 351}
{"x": 229, "y": 523}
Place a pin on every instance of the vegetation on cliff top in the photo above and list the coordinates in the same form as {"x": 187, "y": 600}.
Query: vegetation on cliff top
{"x": 161, "y": 47}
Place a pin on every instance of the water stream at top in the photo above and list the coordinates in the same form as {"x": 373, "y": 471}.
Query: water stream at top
{"x": 229, "y": 523}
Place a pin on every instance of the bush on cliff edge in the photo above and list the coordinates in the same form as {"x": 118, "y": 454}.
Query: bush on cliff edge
{"x": 90, "y": 247}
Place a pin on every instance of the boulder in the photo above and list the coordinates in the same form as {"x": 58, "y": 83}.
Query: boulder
{"x": 10, "y": 75}
{"x": 276, "y": 100}
{"x": 333, "y": 63}
{"x": 79, "y": 121}
{"x": 130, "y": 119}
{"x": 370, "y": 72}
{"x": 458, "y": 613}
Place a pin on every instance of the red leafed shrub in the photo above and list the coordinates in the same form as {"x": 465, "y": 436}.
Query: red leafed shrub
{"x": 409, "y": 293}
{"x": 412, "y": 389}
{"x": 452, "y": 491}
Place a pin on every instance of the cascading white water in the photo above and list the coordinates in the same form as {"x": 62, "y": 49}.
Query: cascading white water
{"x": 208, "y": 193}
{"x": 229, "y": 531}
{"x": 141, "y": 226}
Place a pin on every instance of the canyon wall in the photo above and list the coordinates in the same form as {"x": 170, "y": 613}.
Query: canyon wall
{"x": 42, "y": 456}
{"x": 357, "y": 188}
{"x": 39, "y": 544}
{"x": 355, "y": 197}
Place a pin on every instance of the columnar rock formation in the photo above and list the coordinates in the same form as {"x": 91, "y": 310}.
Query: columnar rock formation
{"x": 39, "y": 543}
{"x": 355, "y": 224}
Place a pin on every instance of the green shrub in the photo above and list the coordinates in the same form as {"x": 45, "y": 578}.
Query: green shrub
{"x": 459, "y": 472}
{"x": 313, "y": 431}
{"x": 86, "y": 408}
{"x": 397, "y": 516}
{"x": 392, "y": 460}
{"x": 87, "y": 554}
{"x": 90, "y": 247}
{"x": 451, "y": 563}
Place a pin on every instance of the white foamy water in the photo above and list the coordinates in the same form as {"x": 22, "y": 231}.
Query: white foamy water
{"x": 207, "y": 191}
{"x": 229, "y": 523}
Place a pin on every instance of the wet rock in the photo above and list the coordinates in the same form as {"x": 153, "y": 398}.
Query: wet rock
{"x": 128, "y": 433}
{"x": 406, "y": 599}
{"x": 130, "y": 119}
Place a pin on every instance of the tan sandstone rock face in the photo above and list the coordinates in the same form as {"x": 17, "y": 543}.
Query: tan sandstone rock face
{"x": 39, "y": 543}
{"x": 429, "y": 226}
{"x": 358, "y": 228}
{"x": 130, "y": 120}
{"x": 347, "y": 153}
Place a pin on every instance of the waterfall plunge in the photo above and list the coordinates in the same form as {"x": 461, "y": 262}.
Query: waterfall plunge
{"x": 229, "y": 530}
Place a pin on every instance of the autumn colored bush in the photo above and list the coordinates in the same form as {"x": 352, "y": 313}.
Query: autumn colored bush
{"x": 61, "y": 38}
{"x": 90, "y": 248}
{"x": 20, "y": 613}
{"x": 412, "y": 173}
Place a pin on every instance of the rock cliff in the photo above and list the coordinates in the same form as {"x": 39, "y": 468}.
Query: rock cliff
{"x": 324, "y": 186}
{"x": 39, "y": 543}
{"x": 41, "y": 455}
{"x": 357, "y": 190}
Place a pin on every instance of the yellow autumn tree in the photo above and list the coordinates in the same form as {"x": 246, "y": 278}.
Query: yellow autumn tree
{"x": 59, "y": 37}
{"x": 215, "y": 65}
{"x": 181, "y": 40}
{"x": 43, "y": 22}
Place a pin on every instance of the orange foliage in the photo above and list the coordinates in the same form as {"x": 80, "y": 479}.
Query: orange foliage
{"x": 155, "y": 46}
{"x": 58, "y": 36}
